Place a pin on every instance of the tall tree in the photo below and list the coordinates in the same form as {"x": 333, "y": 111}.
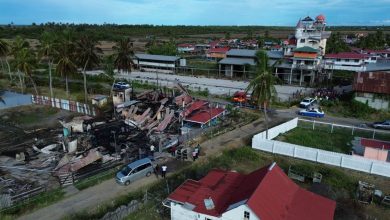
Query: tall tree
{"x": 262, "y": 86}
{"x": 123, "y": 55}
{"x": 26, "y": 62}
{"x": 87, "y": 54}
{"x": 108, "y": 67}
{"x": 335, "y": 44}
{"x": 18, "y": 44}
{"x": 4, "y": 51}
{"x": 65, "y": 56}
{"x": 48, "y": 51}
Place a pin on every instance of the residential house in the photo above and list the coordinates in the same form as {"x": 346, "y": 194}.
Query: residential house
{"x": 265, "y": 194}
{"x": 372, "y": 149}
{"x": 217, "y": 53}
{"x": 160, "y": 63}
{"x": 237, "y": 62}
{"x": 372, "y": 85}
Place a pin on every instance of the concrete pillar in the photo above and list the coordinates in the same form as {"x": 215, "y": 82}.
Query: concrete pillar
{"x": 231, "y": 71}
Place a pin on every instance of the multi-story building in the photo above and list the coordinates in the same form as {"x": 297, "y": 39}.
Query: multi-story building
{"x": 304, "y": 51}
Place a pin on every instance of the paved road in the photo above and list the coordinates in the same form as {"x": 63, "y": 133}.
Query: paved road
{"x": 92, "y": 197}
{"x": 215, "y": 86}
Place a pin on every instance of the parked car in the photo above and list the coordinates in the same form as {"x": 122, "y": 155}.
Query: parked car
{"x": 135, "y": 170}
{"x": 312, "y": 112}
{"x": 121, "y": 85}
{"x": 306, "y": 102}
{"x": 382, "y": 124}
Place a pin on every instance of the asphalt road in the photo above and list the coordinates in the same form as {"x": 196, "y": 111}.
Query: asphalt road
{"x": 215, "y": 86}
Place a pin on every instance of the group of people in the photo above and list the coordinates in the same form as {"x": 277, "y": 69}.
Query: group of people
{"x": 162, "y": 169}
{"x": 326, "y": 93}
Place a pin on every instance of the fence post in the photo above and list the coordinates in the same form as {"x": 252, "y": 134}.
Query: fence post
{"x": 353, "y": 129}
{"x": 273, "y": 147}
{"x": 295, "y": 149}
{"x": 372, "y": 166}
{"x": 313, "y": 124}
{"x": 331, "y": 131}
{"x": 373, "y": 135}
{"x": 341, "y": 162}
{"x": 318, "y": 152}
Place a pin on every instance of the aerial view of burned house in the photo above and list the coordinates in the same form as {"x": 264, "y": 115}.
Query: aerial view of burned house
{"x": 85, "y": 145}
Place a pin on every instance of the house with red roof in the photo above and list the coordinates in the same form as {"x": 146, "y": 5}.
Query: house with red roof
{"x": 217, "y": 53}
{"x": 266, "y": 194}
{"x": 372, "y": 149}
{"x": 186, "y": 48}
{"x": 200, "y": 113}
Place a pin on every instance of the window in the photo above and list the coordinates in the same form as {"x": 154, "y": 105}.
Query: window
{"x": 142, "y": 167}
{"x": 302, "y": 40}
{"x": 356, "y": 61}
{"x": 346, "y": 60}
{"x": 338, "y": 60}
{"x": 205, "y": 218}
{"x": 246, "y": 215}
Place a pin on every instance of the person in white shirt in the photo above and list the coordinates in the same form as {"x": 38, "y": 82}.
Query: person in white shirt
{"x": 163, "y": 171}
{"x": 152, "y": 149}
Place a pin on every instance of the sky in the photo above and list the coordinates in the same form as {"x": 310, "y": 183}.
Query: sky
{"x": 195, "y": 12}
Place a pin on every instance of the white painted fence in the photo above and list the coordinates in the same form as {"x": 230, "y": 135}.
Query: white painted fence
{"x": 64, "y": 104}
{"x": 321, "y": 156}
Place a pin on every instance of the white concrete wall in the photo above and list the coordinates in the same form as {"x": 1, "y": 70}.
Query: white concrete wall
{"x": 275, "y": 131}
{"x": 238, "y": 213}
{"x": 374, "y": 103}
{"x": 180, "y": 213}
{"x": 322, "y": 156}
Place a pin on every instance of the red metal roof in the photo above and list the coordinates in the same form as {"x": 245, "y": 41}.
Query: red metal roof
{"x": 346, "y": 55}
{"x": 375, "y": 143}
{"x": 267, "y": 191}
{"x": 193, "y": 107}
{"x": 205, "y": 115}
{"x": 219, "y": 50}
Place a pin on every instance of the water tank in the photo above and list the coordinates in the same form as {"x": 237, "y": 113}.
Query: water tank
{"x": 183, "y": 62}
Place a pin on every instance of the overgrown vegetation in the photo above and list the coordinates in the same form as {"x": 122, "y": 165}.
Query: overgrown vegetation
{"x": 42, "y": 200}
{"x": 96, "y": 179}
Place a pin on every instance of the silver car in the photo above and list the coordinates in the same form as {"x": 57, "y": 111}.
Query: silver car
{"x": 382, "y": 124}
{"x": 134, "y": 171}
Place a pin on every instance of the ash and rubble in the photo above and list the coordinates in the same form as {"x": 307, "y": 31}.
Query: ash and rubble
{"x": 44, "y": 157}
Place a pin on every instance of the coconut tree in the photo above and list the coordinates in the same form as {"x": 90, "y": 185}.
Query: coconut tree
{"x": 65, "y": 56}
{"x": 19, "y": 44}
{"x": 87, "y": 54}
{"x": 262, "y": 86}
{"x": 25, "y": 63}
{"x": 123, "y": 53}
{"x": 108, "y": 67}
{"x": 4, "y": 51}
{"x": 47, "y": 51}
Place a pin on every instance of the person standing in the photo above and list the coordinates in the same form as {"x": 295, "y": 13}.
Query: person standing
{"x": 194, "y": 155}
{"x": 156, "y": 170}
{"x": 152, "y": 149}
{"x": 163, "y": 171}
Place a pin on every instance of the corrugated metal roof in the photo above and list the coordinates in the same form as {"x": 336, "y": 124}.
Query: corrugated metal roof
{"x": 241, "y": 53}
{"x": 268, "y": 192}
{"x": 275, "y": 54}
{"x": 306, "y": 49}
{"x": 237, "y": 61}
{"x": 156, "y": 57}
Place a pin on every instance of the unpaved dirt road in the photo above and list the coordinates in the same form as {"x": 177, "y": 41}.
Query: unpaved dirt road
{"x": 107, "y": 191}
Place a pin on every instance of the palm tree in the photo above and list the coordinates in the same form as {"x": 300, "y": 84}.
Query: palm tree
{"x": 47, "y": 51}
{"x": 87, "y": 54}
{"x": 4, "y": 51}
{"x": 16, "y": 47}
{"x": 25, "y": 62}
{"x": 65, "y": 57}
{"x": 123, "y": 53}
{"x": 262, "y": 86}
{"x": 108, "y": 66}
